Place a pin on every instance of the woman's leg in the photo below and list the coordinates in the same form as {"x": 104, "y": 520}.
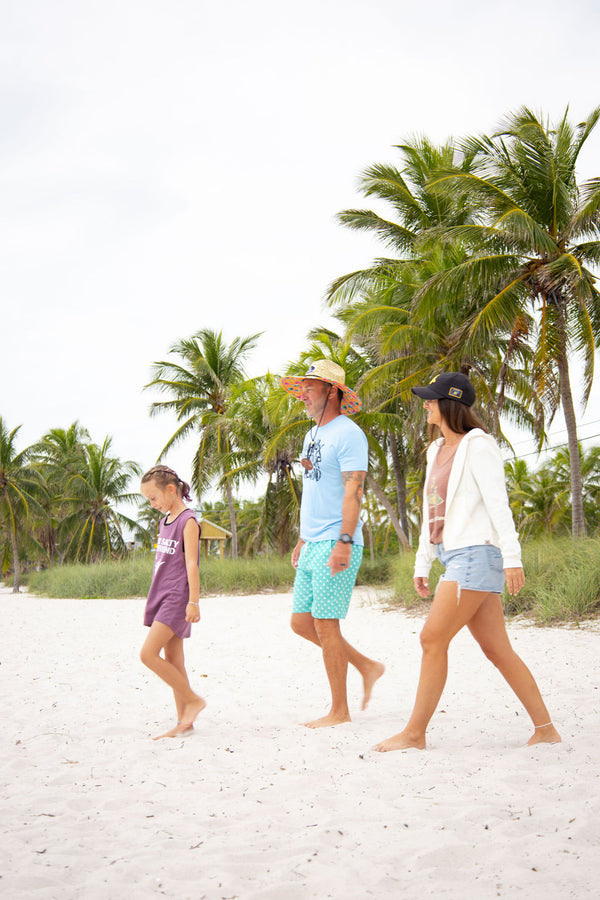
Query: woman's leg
{"x": 448, "y": 614}
{"x": 159, "y": 636}
{"x": 489, "y": 630}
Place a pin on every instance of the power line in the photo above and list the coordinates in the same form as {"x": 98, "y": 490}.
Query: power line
{"x": 553, "y": 448}
{"x": 562, "y": 431}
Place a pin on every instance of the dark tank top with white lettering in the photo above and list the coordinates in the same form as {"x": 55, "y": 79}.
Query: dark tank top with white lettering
{"x": 169, "y": 592}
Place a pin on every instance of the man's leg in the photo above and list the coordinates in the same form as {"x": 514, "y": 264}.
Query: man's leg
{"x": 303, "y": 624}
{"x": 335, "y": 659}
{"x": 319, "y": 599}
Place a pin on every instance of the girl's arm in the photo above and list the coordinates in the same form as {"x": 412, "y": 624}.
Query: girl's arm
{"x": 191, "y": 536}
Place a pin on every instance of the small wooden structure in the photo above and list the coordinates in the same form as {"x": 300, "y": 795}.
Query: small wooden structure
{"x": 211, "y": 532}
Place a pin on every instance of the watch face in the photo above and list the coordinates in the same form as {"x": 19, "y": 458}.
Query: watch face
{"x": 345, "y": 539}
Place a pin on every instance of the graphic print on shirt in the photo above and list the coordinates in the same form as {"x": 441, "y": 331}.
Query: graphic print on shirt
{"x": 434, "y": 499}
{"x": 313, "y": 454}
{"x": 164, "y": 547}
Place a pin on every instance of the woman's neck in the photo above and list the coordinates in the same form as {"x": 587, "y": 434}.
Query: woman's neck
{"x": 451, "y": 438}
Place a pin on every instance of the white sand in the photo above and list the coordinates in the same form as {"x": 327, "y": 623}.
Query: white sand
{"x": 253, "y": 806}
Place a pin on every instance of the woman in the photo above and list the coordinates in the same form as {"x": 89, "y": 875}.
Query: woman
{"x": 468, "y": 525}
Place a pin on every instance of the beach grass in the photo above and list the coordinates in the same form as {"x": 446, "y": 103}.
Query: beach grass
{"x": 131, "y": 577}
{"x": 563, "y": 579}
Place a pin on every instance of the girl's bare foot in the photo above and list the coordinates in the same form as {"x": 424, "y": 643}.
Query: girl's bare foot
{"x": 374, "y": 673}
{"x": 173, "y": 732}
{"x": 544, "y": 734}
{"x": 401, "y": 741}
{"x": 190, "y": 712}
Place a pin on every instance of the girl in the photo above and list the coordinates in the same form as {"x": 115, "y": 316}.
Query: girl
{"x": 172, "y": 603}
{"x": 468, "y": 525}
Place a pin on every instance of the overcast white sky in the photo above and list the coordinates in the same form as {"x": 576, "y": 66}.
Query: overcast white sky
{"x": 170, "y": 166}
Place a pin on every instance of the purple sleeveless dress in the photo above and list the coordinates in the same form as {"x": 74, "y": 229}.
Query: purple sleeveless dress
{"x": 169, "y": 591}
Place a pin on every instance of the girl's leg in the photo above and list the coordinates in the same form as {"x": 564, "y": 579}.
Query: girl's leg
{"x": 173, "y": 651}
{"x": 159, "y": 636}
{"x": 489, "y": 630}
{"x": 448, "y": 614}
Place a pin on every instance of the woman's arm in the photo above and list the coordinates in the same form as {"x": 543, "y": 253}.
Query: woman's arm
{"x": 487, "y": 467}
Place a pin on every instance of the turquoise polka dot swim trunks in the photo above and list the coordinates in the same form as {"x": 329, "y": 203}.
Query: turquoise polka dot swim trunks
{"x": 315, "y": 589}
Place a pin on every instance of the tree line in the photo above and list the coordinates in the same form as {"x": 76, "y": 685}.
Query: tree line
{"x": 488, "y": 250}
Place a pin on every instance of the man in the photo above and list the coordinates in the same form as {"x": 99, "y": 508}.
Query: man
{"x": 328, "y": 555}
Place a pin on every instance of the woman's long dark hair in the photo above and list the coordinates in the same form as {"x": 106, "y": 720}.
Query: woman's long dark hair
{"x": 458, "y": 417}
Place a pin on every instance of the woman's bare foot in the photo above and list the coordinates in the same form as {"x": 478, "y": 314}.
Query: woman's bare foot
{"x": 328, "y": 720}
{"x": 374, "y": 673}
{"x": 401, "y": 741}
{"x": 545, "y": 734}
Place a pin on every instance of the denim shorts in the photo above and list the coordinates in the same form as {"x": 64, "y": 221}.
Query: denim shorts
{"x": 316, "y": 590}
{"x": 476, "y": 568}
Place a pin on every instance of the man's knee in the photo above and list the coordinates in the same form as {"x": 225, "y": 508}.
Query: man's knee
{"x": 302, "y": 625}
{"x": 328, "y": 629}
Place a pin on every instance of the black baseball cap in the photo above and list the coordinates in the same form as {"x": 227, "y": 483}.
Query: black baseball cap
{"x": 448, "y": 386}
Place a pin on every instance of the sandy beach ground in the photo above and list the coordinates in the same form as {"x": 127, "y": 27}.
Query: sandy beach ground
{"x": 253, "y": 806}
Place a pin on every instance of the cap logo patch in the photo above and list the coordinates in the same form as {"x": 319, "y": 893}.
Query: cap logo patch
{"x": 455, "y": 392}
{"x": 310, "y": 369}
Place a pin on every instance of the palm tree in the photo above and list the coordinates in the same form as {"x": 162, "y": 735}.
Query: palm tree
{"x": 59, "y": 454}
{"x": 200, "y": 381}
{"x": 405, "y": 346}
{"x": 94, "y": 492}
{"x": 259, "y": 411}
{"x": 20, "y": 490}
{"x": 530, "y": 251}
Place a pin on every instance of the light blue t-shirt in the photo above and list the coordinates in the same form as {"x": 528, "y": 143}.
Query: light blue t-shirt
{"x": 340, "y": 446}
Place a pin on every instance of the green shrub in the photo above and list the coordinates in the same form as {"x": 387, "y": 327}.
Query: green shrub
{"x": 120, "y": 578}
{"x": 562, "y": 581}
{"x": 375, "y": 572}
{"x": 131, "y": 577}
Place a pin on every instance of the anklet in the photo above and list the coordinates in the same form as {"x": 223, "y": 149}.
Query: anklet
{"x": 543, "y": 726}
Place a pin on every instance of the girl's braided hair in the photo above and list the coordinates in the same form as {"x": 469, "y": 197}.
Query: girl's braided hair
{"x": 163, "y": 476}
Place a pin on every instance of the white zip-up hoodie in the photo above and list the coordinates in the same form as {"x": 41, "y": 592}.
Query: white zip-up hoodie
{"x": 477, "y": 508}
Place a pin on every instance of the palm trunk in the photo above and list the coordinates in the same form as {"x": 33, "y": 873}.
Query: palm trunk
{"x": 234, "y": 543}
{"x": 380, "y": 494}
{"x": 16, "y": 568}
{"x": 578, "y": 525}
{"x": 400, "y": 475}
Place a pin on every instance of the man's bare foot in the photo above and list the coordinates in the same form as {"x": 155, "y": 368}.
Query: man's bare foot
{"x": 401, "y": 741}
{"x": 328, "y": 720}
{"x": 547, "y": 734}
{"x": 375, "y": 672}
{"x": 190, "y": 712}
{"x": 174, "y": 732}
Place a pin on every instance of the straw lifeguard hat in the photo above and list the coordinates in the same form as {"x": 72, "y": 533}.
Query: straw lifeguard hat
{"x": 325, "y": 370}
